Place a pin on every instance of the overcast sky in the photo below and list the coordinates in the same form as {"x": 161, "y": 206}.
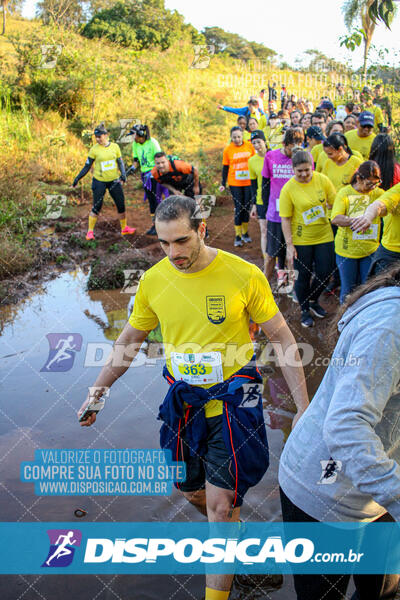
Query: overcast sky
{"x": 287, "y": 27}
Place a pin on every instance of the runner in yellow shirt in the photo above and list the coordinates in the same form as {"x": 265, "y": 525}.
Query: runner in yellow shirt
{"x": 203, "y": 299}
{"x": 388, "y": 206}
{"x": 273, "y": 132}
{"x": 304, "y": 202}
{"x": 360, "y": 139}
{"x": 367, "y": 97}
{"x": 107, "y": 160}
{"x": 354, "y": 250}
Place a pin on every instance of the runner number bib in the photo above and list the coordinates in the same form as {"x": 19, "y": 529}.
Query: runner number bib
{"x": 197, "y": 369}
{"x": 242, "y": 175}
{"x": 370, "y": 234}
{"x": 313, "y": 214}
{"x": 108, "y": 165}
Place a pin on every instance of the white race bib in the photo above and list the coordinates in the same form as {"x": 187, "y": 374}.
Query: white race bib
{"x": 108, "y": 165}
{"x": 313, "y": 214}
{"x": 277, "y": 204}
{"x": 197, "y": 369}
{"x": 370, "y": 234}
{"x": 242, "y": 175}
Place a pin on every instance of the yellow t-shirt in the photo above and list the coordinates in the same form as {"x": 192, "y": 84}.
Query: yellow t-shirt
{"x": 361, "y": 144}
{"x": 351, "y": 203}
{"x": 274, "y": 137}
{"x": 306, "y": 204}
{"x": 316, "y": 151}
{"x": 378, "y": 115}
{"x": 323, "y": 157}
{"x": 207, "y": 311}
{"x": 262, "y": 122}
{"x": 256, "y": 164}
{"x": 391, "y": 223}
{"x": 105, "y": 161}
{"x": 341, "y": 175}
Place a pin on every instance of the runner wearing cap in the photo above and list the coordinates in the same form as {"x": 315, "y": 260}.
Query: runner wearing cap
{"x": 276, "y": 172}
{"x": 144, "y": 148}
{"x": 203, "y": 299}
{"x": 360, "y": 139}
{"x": 235, "y": 170}
{"x": 328, "y": 106}
{"x": 368, "y": 105}
{"x": 259, "y": 190}
{"x": 354, "y": 250}
{"x": 303, "y": 205}
{"x": 107, "y": 160}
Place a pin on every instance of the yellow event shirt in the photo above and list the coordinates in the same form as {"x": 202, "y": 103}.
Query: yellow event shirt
{"x": 351, "y": 203}
{"x": 207, "y": 311}
{"x": 323, "y": 157}
{"x": 274, "y": 137}
{"x": 391, "y": 223}
{"x": 341, "y": 175}
{"x": 316, "y": 151}
{"x": 306, "y": 204}
{"x": 378, "y": 115}
{"x": 361, "y": 144}
{"x": 256, "y": 164}
{"x": 105, "y": 161}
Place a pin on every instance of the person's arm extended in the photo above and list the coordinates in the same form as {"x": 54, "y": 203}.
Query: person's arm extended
{"x": 357, "y": 407}
{"x": 282, "y": 339}
{"x": 236, "y": 111}
{"x": 121, "y": 167}
{"x": 135, "y": 165}
{"x": 124, "y": 351}
{"x": 374, "y": 210}
{"x": 287, "y": 233}
{"x": 83, "y": 172}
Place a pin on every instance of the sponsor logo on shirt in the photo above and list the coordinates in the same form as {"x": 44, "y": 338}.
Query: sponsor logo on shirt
{"x": 216, "y": 311}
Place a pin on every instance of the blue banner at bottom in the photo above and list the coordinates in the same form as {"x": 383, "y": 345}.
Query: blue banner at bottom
{"x": 180, "y": 548}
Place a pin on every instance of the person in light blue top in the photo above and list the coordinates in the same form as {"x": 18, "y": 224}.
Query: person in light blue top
{"x": 252, "y": 109}
{"x": 342, "y": 461}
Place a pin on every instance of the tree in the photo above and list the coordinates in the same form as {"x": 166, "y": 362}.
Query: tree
{"x": 382, "y": 10}
{"x": 141, "y": 24}
{"x": 66, "y": 13}
{"x": 10, "y": 6}
{"x": 367, "y": 13}
{"x": 235, "y": 45}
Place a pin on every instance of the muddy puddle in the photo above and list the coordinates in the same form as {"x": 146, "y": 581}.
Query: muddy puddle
{"x": 38, "y": 410}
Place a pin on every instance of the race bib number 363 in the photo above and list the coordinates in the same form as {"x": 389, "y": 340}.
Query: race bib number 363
{"x": 197, "y": 369}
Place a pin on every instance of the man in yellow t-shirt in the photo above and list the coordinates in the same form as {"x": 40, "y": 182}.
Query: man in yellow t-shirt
{"x": 361, "y": 138}
{"x": 368, "y": 105}
{"x": 387, "y": 206}
{"x": 203, "y": 299}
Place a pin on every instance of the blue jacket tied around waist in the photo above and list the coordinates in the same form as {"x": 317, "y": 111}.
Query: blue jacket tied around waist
{"x": 243, "y": 425}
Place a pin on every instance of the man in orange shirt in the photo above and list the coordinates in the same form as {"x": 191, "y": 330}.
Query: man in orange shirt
{"x": 235, "y": 169}
{"x": 180, "y": 177}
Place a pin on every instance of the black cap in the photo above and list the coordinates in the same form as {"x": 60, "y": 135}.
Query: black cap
{"x": 139, "y": 130}
{"x": 100, "y": 130}
{"x": 257, "y": 135}
{"x": 273, "y": 115}
{"x": 315, "y": 132}
{"x": 326, "y": 105}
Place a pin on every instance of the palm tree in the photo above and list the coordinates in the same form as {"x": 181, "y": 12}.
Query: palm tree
{"x": 366, "y": 12}
{"x": 4, "y": 7}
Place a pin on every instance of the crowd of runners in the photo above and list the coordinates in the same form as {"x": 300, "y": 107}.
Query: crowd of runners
{"x": 324, "y": 185}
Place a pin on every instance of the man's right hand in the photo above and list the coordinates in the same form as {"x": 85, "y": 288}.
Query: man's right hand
{"x": 253, "y": 212}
